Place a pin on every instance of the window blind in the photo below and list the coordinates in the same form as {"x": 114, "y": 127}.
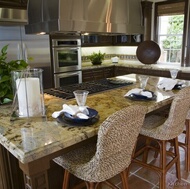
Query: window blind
{"x": 171, "y": 9}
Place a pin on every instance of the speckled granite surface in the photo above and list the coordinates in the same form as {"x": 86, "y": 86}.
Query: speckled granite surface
{"x": 137, "y": 64}
{"x": 30, "y": 140}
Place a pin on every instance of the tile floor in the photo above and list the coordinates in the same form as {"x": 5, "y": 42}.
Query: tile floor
{"x": 141, "y": 178}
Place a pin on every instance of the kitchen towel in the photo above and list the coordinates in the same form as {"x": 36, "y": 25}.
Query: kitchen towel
{"x": 167, "y": 84}
{"x": 142, "y": 92}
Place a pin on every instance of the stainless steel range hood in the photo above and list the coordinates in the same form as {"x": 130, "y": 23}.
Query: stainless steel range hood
{"x": 92, "y": 16}
{"x": 10, "y": 16}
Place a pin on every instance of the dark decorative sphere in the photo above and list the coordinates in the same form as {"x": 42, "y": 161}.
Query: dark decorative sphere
{"x": 148, "y": 52}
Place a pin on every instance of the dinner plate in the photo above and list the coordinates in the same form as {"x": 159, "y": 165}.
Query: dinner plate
{"x": 69, "y": 119}
{"x": 135, "y": 96}
{"x": 177, "y": 87}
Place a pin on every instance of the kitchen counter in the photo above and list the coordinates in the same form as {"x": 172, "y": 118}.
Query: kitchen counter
{"x": 136, "y": 64}
{"x": 35, "y": 143}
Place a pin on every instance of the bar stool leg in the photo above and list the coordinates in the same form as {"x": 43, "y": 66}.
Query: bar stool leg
{"x": 163, "y": 164}
{"x": 176, "y": 148}
{"x": 187, "y": 141}
{"x": 66, "y": 180}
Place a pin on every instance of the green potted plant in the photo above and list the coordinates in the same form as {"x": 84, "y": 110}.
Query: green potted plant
{"x": 6, "y": 90}
{"x": 96, "y": 58}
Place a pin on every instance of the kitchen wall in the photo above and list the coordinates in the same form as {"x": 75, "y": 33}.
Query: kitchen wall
{"x": 123, "y": 52}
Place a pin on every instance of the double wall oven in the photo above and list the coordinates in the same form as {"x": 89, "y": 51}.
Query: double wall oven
{"x": 65, "y": 59}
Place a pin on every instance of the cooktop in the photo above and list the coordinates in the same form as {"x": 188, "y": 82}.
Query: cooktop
{"x": 66, "y": 92}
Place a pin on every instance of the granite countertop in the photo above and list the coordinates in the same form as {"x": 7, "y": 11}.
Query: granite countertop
{"x": 136, "y": 64}
{"x": 30, "y": 140}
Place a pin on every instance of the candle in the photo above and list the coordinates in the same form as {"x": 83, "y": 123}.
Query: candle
{"x": 29, "y": 98}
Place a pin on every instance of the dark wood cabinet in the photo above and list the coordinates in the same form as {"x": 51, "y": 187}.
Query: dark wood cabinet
{"x": 96, "y": 40}
{"x": 121, "y": 70}
{"x": 107, "y": 40}
{"x": 14, "y": 3}
{"x": 126, "y": 40}
{"x": 97, "y": 73}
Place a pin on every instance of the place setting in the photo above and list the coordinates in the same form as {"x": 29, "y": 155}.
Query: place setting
{"x": 77, "y": 115}
{"x": 141, "y": 94}
{"x": 172, "y": 83}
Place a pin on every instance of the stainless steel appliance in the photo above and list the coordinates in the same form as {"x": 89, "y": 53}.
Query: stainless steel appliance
{"x": 66, "y": 92}
{"x": 110, "y": 16}
{"x": 13, "y": 12}
{"x": 67, "y": 78}
{"x": 66, "y": 59}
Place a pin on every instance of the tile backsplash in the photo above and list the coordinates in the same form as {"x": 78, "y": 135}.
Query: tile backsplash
{"x": 109, "y": 56}
{"x": 124, "y": 53}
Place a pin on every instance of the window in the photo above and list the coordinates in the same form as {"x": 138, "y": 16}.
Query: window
{"x": 169, "y": 22}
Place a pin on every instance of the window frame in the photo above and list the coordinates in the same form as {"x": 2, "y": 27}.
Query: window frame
{"x": 184, "y": 61}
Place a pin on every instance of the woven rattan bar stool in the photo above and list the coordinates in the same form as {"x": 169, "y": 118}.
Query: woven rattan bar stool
{"x": 162, "y": 130}
{"x": 186, "y": 143}
{"x": 111, "y": 155}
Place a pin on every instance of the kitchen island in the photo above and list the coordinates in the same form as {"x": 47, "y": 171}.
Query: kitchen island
{"x": 36, "y": 143}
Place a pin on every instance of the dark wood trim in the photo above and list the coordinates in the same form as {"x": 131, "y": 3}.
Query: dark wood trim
{"x": 184, "y": 63}
{"x": 147, "y": 21}
{"x": 187, "y": 60}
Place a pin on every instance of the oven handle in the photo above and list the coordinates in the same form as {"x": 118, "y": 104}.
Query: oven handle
{"x": 66, "y": 48}
{"x": 67, "y": 74}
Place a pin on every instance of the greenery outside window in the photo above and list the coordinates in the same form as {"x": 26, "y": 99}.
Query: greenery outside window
{"x": 170, "y": 38}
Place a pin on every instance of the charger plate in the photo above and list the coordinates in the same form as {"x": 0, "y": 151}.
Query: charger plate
{"x": 68, "y": 119}
{"x": 177, "y": 87}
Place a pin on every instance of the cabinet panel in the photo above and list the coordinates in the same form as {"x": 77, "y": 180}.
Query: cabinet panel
{"x": 97, "y": 73}
{"x": 106, "y": 40}
{"x": 97, "y": 40}
{"x": 87, "y": 75}
{"x": 109, "y": 72}
{"x": 122, "y": 71}
{"x": 14, "y": 3}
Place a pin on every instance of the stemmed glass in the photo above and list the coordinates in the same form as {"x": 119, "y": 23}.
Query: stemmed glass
{"x": 143, "y": 81}
{"x": 173, "y": 73}
{"x": 81, "y": 96}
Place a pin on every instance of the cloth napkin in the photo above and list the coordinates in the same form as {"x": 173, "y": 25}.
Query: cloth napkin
{"x": 80, "y": 112}
{"x": 140, "y": 92}
{"x": 167, "y": 84}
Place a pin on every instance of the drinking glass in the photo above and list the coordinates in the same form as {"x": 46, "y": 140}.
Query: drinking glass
{"x": 81, "y": 96}
{"x": 173, "y": 73}
{"x": 143, "y": 81}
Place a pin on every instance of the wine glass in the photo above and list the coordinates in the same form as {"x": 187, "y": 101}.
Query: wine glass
{"x": 173, "y": 73}
{"x": 143, "y": 81}
{"x": 81, "y": 96}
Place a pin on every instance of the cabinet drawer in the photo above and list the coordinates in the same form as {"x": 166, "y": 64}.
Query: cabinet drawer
{"x": 98, "y": 74}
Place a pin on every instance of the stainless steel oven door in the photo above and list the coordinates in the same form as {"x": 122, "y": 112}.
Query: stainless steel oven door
{"x": 68, "y": 78}
{"x": 66, "y": 59}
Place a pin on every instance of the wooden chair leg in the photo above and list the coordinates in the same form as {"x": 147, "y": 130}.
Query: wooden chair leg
{"x": 66, "y": 180}
{"x": 176, "y": 148}
{"x": 145, "y": 154}
{"x": 163, "y": 164}
{"x": 90, "y": 185}
{"x": 124, "y": 178}
{"x": 187, "y": 141}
